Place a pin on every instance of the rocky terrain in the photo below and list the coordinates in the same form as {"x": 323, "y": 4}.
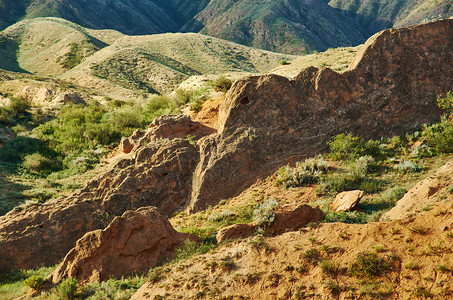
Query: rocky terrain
{"x": 167, "y": 171}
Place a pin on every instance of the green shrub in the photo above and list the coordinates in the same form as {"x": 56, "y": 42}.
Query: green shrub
{"x": 446, "y": 103}
{"x": 222, "y": 84}
{"x": 264, "y": 214}
{"x": 35, "y": 282}
{"x": 39, "y": 164}
{"x": 408, "y": 167}
{"x": 439, "y": 136}
{"x": 67, "y": 289}
{"x": 6, "y": 117}
{"x": 349, "y": 147}
{"x": 306, "y": 173}
{"x": 370, "y": 264}
{"x": 354, "y": 178}
{"x": 14, "y": 150}
{"x": 19, "y": 106}
{"x": 190, "y": 248}
{"x": 283, "y": 62}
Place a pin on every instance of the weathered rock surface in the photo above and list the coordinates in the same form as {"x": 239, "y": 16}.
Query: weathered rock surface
{"x": 286, "y": 219}
{"x": 134, "y": 242}
{"x": 427, "y": 194}
{"x": 346, "y": 201}
{"x": 264, "y": 122}
{"x": 158, "y": 174}
{"x": 392, "y": 85}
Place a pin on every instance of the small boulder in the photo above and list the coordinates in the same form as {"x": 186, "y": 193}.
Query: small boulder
{"x": 346, "y": 201}
{"x": 236, "y": 231}
{"x": 134, "y": 242}
{"x": 126, "y": 146}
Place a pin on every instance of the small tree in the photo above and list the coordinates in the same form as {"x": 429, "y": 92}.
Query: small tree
{"x": 446, "y": 103}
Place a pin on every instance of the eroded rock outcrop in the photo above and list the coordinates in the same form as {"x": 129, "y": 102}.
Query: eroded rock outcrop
{"x": 158, "y": 174}
{"x": 391, "y": 86}
{"x": 134, "y": 242}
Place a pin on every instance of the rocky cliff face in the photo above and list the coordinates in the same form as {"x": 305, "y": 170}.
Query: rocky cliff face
{"x": 264, "y": 122}
{"x": 391, "y": 86}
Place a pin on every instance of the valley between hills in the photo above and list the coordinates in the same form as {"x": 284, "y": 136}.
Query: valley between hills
{"x": 187, "y": 163}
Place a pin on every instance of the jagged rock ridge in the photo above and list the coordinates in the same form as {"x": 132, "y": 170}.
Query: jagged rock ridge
{"x": 264, "y": 122}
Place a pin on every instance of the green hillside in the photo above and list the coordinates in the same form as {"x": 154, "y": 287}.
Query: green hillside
{"x": 107, "y": 60}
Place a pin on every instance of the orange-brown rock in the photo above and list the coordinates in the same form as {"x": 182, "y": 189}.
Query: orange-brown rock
{"x": 425, "y": 195}
{"x": 392, "y": 84}
{"x": 158, "y": 174}
{"x": 286, "y": 219}
{"x": 346, "y": 201}
{"x": 134, "y": 242}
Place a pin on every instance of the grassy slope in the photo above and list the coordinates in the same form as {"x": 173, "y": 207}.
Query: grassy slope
{"x": 154, "y": 63}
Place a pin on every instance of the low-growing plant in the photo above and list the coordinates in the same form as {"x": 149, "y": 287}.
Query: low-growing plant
{"x": 304, "y": 173}
{"x": 264, "y": 214}
{"x": 349, "y": 147}
{"x": 408, "y": 167}
{"x": 36, "y": 163}
{"x": 67, "y": 289}
{"x": 190, "y": 248}
{"x": 370, "y": 264}
{"x": 222, "y": 84}
{"x": 35, "y": 282}
{"x": 439, "y": 136}
{"x": 329, "y": 267}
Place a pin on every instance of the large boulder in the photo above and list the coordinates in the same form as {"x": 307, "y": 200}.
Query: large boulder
{"x": 134, "y": 242}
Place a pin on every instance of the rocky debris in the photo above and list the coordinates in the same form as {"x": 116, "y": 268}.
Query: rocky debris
{"x": 265, "y": 120}
{"x": 286, "y": 219}
{"x": 425, "y": 195}
{"x": 134, "y": 242}
{"x": 346, "y": 201}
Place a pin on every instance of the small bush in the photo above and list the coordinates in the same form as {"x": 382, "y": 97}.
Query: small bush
{"x": 264, "y": 214}
{"x": 370, "y": 264}
{"x": 408, "y": 167}
{"x": 6, "y": 117}
{"x": 39, "y": 164}
{"x": 283, "y": 62}
{"x": 306, "y": 173}
{"x": 190, "y": 248}
{"x": 19, "y": 106}
{"x": 349, "y": 147}
{"x": 67, "y": 289}
{"x": 35, "y": 282}
{"x": 439, "y": 136}
{"x": 446, "y": 103}
{"x": 222, "y": 84}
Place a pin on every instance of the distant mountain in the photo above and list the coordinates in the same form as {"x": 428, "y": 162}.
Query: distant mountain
{"x": 279, "y": 25}
{"x": 111, "y": 61}
{"x": 376, "y": 15}
{"x": 127, "y": 16}
{"x": 290, "y": 26}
